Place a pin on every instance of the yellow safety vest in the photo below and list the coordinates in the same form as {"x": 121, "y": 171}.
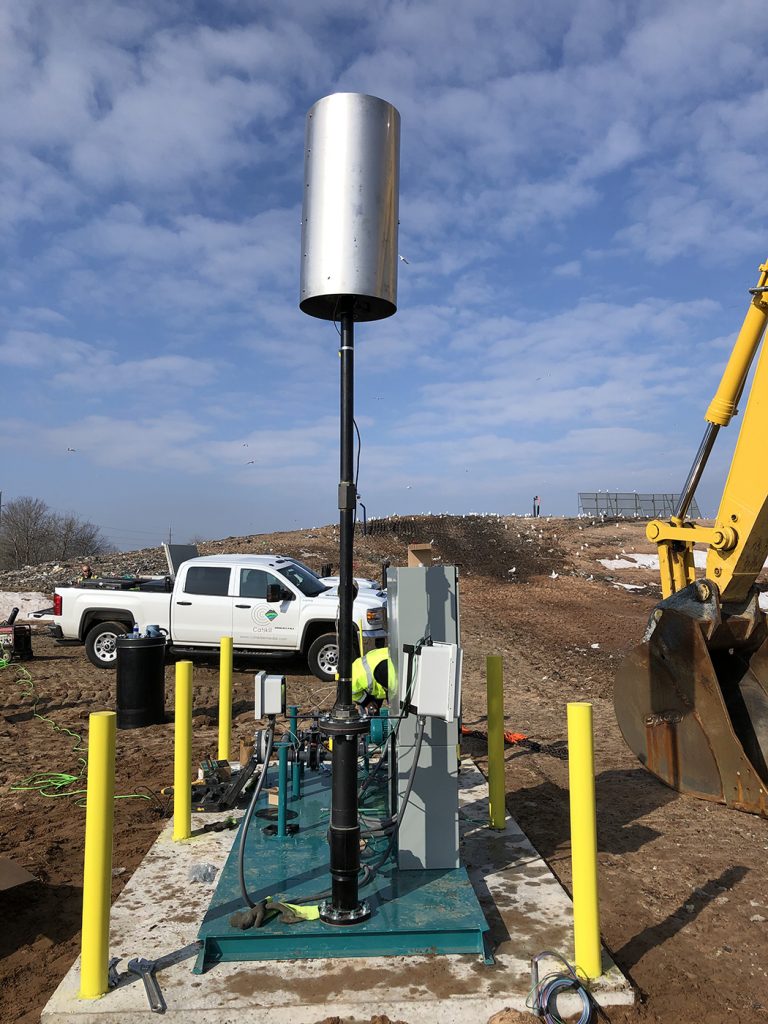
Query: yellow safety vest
{"x": 363, "y": 681}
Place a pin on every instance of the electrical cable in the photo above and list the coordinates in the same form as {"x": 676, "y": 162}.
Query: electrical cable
{"x": 373, "y": 869}
{"x": 359, "y": 450}
{"x": 542, "y": 999}
{"x": 372, "y": 774}
{"x": 249, "y": 813}
{"x": 393, "y": 734}
{"x": 54, "y": 785}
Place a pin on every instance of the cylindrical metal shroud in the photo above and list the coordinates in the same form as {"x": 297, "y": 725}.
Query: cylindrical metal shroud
{"x": 350, "y": 215}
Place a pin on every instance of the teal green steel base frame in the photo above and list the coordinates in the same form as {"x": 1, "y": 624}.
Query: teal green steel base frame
{"x": 413, "y": 912}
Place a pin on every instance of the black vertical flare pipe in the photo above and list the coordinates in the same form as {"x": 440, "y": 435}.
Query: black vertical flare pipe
{"x": 344, "y": 706}
{"x": 344, "y": 724}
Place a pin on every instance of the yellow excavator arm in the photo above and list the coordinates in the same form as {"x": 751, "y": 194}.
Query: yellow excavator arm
{"x": 738, "y": 541}
{"x": 692, "y": 699}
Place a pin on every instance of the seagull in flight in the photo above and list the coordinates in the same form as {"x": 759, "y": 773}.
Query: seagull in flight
{"x": 403, "y": 259}
{"x": 71, "y": 449}
{"x": 251, "y": 463}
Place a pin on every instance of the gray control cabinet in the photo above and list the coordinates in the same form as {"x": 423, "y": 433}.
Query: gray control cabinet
{"x": 425, "y": 602}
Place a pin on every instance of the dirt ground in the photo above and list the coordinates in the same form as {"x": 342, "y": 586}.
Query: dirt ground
{"x": 684, "y": 900}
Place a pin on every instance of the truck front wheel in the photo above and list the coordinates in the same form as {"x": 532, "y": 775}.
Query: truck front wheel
{"x": 323, "y": 657}
{"x": 101, "y": 643}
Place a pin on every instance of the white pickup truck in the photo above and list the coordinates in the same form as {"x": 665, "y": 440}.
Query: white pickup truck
{"x": 268, "y": 603}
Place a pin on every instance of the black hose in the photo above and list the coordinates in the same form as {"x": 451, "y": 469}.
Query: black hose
{"x": 11, "y": 618}
{"x": 393, "y": 733}
{"x": 372, "y": 774}
{"x": 373, "y": 869}
{"x": 249, "y": 815}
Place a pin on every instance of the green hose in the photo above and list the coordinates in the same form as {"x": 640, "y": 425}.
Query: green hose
{"x": 58, "y": 784}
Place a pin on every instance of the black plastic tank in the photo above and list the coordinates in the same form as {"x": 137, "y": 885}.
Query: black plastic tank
{"x": 140, "y": 681}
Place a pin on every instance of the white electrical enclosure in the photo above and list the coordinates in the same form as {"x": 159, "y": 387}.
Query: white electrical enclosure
{"x": 437, "y": 689}
{"x": 268, "y": 695}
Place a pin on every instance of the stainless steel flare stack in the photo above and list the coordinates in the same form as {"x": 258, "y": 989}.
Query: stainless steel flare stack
{"x": 349, "y": 264}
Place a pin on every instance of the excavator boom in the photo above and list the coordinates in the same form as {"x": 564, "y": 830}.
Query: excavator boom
{"x": 692, "y": 699}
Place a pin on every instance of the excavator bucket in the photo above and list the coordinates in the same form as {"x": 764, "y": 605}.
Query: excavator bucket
{"x": 692, "y": 699}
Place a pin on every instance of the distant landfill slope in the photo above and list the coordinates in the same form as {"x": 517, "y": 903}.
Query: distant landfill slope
{"x": 481, "y": 545}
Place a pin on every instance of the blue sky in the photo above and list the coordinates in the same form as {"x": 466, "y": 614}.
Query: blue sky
{"x": 579, "y": 207}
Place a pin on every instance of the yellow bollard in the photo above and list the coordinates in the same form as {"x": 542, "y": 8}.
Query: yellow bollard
{"x": 97, "y": 868}
{"x": 497, "y": 791}
{"x": 225, "y": 698}
{"x": 581, "y": 779}
{"x": 182, "y": 758}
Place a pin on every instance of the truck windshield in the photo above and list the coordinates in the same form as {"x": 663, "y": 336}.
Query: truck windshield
{"x": 303, "y": 578}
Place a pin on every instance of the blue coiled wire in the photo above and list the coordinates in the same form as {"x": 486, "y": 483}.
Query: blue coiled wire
{"x": 545, "y": 991}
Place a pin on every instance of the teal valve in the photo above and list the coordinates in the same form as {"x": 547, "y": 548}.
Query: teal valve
{"x": 296, "y": 777}
{"x": 380, "y": 727}
{"x": 282, "y": 788}
{"x": 293, "y": 720}
{"x": 376, "y": 730}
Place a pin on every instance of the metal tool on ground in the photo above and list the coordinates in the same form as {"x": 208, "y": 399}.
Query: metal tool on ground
{"x": 692, "y": 700}
{"x": 145, "y": 969}
{"x": 221, "y": 789}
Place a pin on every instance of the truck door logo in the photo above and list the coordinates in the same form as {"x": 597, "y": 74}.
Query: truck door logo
{"x": 264, "y": 616}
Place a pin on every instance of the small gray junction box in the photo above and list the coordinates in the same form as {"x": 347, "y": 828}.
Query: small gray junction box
{"x": 268, "y": 695}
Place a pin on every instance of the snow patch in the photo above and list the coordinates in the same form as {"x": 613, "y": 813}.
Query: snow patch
{"x": 650, "y": 561}
{"x": 26, "y": 602}
{"x": 639, "y": 561}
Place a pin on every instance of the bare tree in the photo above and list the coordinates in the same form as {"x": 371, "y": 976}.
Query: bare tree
{"x": 72, "y": 537}
{"x": 24, "y": 532}
{"x": 31, "y": 533}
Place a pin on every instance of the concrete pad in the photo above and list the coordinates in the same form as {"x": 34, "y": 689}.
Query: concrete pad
{"x": 159, "y": 911}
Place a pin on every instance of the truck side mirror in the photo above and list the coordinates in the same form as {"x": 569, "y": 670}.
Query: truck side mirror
{"x": 274, "y": 593}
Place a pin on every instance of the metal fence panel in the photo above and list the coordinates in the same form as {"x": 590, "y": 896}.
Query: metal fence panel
{"x": 630, "y": 503}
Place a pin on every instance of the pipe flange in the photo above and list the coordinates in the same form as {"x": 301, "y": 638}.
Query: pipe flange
{"x": 345, "y": 726}
{"x": 344, "y": 917}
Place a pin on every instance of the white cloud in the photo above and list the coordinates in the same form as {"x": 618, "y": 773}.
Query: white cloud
{"x": 574, "y": 179}
{"x": 570, "y": 269}
{"x": 169, "y": 441}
